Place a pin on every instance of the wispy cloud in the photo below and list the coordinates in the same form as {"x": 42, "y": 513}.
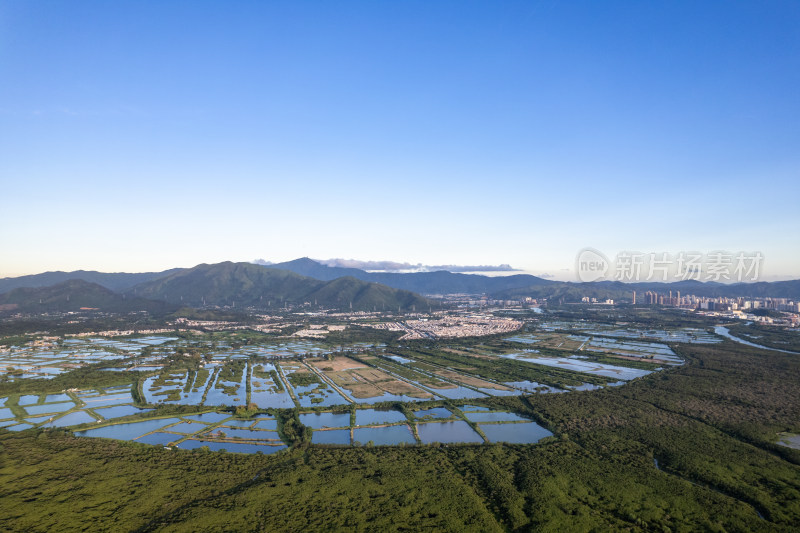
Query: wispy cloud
{"x": 394, "y": 266}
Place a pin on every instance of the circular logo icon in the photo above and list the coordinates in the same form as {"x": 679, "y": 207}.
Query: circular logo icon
{"x": 591, "y": 265}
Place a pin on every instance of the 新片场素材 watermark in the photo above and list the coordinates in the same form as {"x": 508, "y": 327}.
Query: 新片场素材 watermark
{"x": 720, "y": 266}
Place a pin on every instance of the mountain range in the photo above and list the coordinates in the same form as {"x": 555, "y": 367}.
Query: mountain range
{"x": 618, "y": 289}
{"x": 115, "y": 281}
{"x": 246, "y": 285}
{"x": 227, "y": 284}
{"x": 305, "y": 281}
{"x": 74, "y": 295}
{"x": 521, "y": 285}
{"x": 440, "y": 282}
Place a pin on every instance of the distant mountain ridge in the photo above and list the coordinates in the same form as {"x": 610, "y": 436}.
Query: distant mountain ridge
{"x": 170, "y": 286}
{"x": 246, "y": 284}
{"x": 115, "y": 281}
{"x": 75, "y": 294}
{"x": 522, "y": 285}
{"x": 617, "y": 290}
{"x": 440, "y": 282}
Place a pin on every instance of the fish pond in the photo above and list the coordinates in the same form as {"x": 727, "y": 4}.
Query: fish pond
{"x": 447, "y": 432}
{"x": 384, "y": 436}
{"x": 522, "y": 433}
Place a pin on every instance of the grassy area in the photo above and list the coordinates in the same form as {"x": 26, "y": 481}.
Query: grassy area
{"x": 303, "y": 379}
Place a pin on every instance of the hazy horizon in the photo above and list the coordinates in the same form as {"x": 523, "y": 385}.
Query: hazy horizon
{"x": 563, "y": 275}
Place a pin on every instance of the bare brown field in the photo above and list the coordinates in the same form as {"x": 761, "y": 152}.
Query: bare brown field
{"x": 559, "y": 341}
{"x": 344, "y": 379}
{"x": 364, "y": 390}
{"x": 338, "y": 364}
{"x": 366, "y": 382}
{"x": 408, "y": 372}
{"x": 401, "y": 387}
{"x": 372, "y": 375}
{"x": 357, "y": 386}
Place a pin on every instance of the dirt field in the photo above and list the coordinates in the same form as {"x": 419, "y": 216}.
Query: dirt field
{"x": 401, "y": 387}
{"x": 559, "y": 341}
{"x": 423, "y": 379}
{"x": 357, "y": 386}
{"x": 364, "y": 390}
{"x": 372, "y": 375}
{"x": 344, "y": 379}
{"x": 365, "y": 382}
{"x": 337, "y": 364}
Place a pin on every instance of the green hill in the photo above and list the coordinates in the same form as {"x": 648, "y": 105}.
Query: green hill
{"x": 116, "y": 281}
{"x": 248, "y": 285}
{"x": 73, "y": 295}
{"x": 365, "y": 295}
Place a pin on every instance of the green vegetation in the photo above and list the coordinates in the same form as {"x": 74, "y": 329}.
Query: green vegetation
{"x": 769, "y": 336}
{"x": 246, "y": 412}
{"x": 648, "y": 318}
{"x": 276, "y": 380}
{"x": 201, "y": 378}
{"x": 189, "y": 380}
{"x": 303, "y": 379}
{"x": 688, "y": 448}
{"x": 291, "y": 430}
{"x": 239, "y": 285}
{"x": 360, "y": 334}
{"x": 497, "y": 369}
{"x": 259, "y": 372}
{"x": 232, "y": 370}
{"x": 642, "y": 363}
{"x": 72, "y": 295}
{"x": 171, "y": 395}
{"x": 82, "y": 378}
{"x": 211, "y": 314}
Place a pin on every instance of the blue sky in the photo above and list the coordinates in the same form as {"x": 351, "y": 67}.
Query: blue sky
{"x": 146, "y": 135}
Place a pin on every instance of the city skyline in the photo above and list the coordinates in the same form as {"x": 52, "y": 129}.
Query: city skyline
{"x": 140, "y": 138}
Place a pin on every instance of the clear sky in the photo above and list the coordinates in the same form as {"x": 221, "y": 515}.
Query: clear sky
{"x": 139, "y": 136}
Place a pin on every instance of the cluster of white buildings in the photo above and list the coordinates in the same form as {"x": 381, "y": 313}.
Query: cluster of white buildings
{"x": 123, "y": 332}
{"x": 451, "y": 326}
{"x": 317, "y": 331}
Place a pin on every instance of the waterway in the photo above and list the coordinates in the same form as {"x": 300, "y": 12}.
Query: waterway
{"x": 722, "y": 330}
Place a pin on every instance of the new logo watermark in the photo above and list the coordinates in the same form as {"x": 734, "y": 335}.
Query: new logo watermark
{"x": 720, "y": 266}
{"x": 591, "y": 265}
